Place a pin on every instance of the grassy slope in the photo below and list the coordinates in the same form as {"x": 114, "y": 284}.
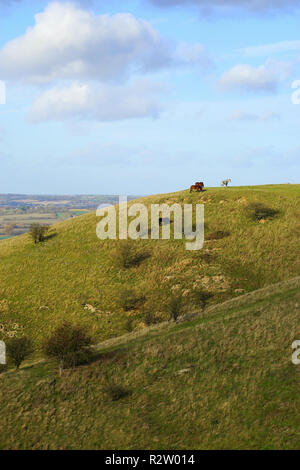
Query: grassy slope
{"x": 221, "y": 380}
{"x": 42, "y": 285}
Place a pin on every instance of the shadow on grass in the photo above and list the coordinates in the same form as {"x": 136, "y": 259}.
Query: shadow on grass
{"x": 50, "y": 235}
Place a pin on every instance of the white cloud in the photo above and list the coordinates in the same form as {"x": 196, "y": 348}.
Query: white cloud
{"x": 256, "y": 6}
{"x": 87, "y": 58}
{"x": 263, "y": 78}
{"x": 67, "y": 41}
{"x": 98, "y": 102}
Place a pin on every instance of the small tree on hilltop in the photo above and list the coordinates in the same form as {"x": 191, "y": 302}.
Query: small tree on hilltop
{"x": 18, "y": 349}
{"x": 69, "y": 344}
{"x": 38, "y": 232}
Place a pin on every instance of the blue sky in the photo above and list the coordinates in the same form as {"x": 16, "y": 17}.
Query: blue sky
{"x": 147, "y": 96}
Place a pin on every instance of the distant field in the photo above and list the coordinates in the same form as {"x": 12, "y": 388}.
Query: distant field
{"x": 18, "y": 212}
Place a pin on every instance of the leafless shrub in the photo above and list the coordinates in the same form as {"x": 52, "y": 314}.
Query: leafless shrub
{"x": 18, "y": 349}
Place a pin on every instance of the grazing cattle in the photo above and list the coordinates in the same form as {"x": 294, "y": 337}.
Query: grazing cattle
{"x": 197, "y": 187}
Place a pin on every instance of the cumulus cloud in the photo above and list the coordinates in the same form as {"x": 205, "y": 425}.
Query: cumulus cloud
{"x": 256, "y": 6}
{"x": 68, "y": 41}
{"x": 249, "y": 78}
{"x": 266, "y": 77}
{"x": 98, "y": 102}
{"x": 87, "y": 58}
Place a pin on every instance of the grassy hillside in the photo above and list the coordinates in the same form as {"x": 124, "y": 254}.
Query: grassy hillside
{"x": 222, "y": 380}
{"x": 75, "y": 276}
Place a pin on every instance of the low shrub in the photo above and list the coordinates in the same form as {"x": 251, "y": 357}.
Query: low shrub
{"x": 38, "y": 232}
{"x": 69, "y": 344}
{"x": 115, "y": 391}
{"x": 128, "y": 256}
{"x": 129, "y": 325}
{"x": 175, "y": 306}
{"x": 19, "y": 349}
{"x": 150, "y": 318}
{"x": 129, "y": 300}
{"x": 206, "y": 257}
{"x": 257, "y": 211}
{"x": 202, "y": 297}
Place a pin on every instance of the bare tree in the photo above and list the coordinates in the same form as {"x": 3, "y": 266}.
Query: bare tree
{"x": 18, "y": 349}
{"x": 69, "y": 344}
{"x": 38, "y": 232}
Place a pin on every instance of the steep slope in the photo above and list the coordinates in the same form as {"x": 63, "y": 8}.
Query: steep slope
{"x": 74, "y": 275}
{"x": 221, "y": 380}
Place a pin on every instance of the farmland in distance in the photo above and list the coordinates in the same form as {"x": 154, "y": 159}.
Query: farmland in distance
{"x": 19, "y": 211}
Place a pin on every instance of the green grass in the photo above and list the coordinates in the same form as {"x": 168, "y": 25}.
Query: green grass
{"x": 218, "y": 379}
{"x": 222, "y": 380}
{"x": 42, "y": 285}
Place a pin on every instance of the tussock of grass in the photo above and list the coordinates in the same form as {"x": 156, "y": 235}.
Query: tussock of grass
{"x": 257, "y": 211}
{"x": 218, "y": 235}
{"x": 129, "y": 300}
